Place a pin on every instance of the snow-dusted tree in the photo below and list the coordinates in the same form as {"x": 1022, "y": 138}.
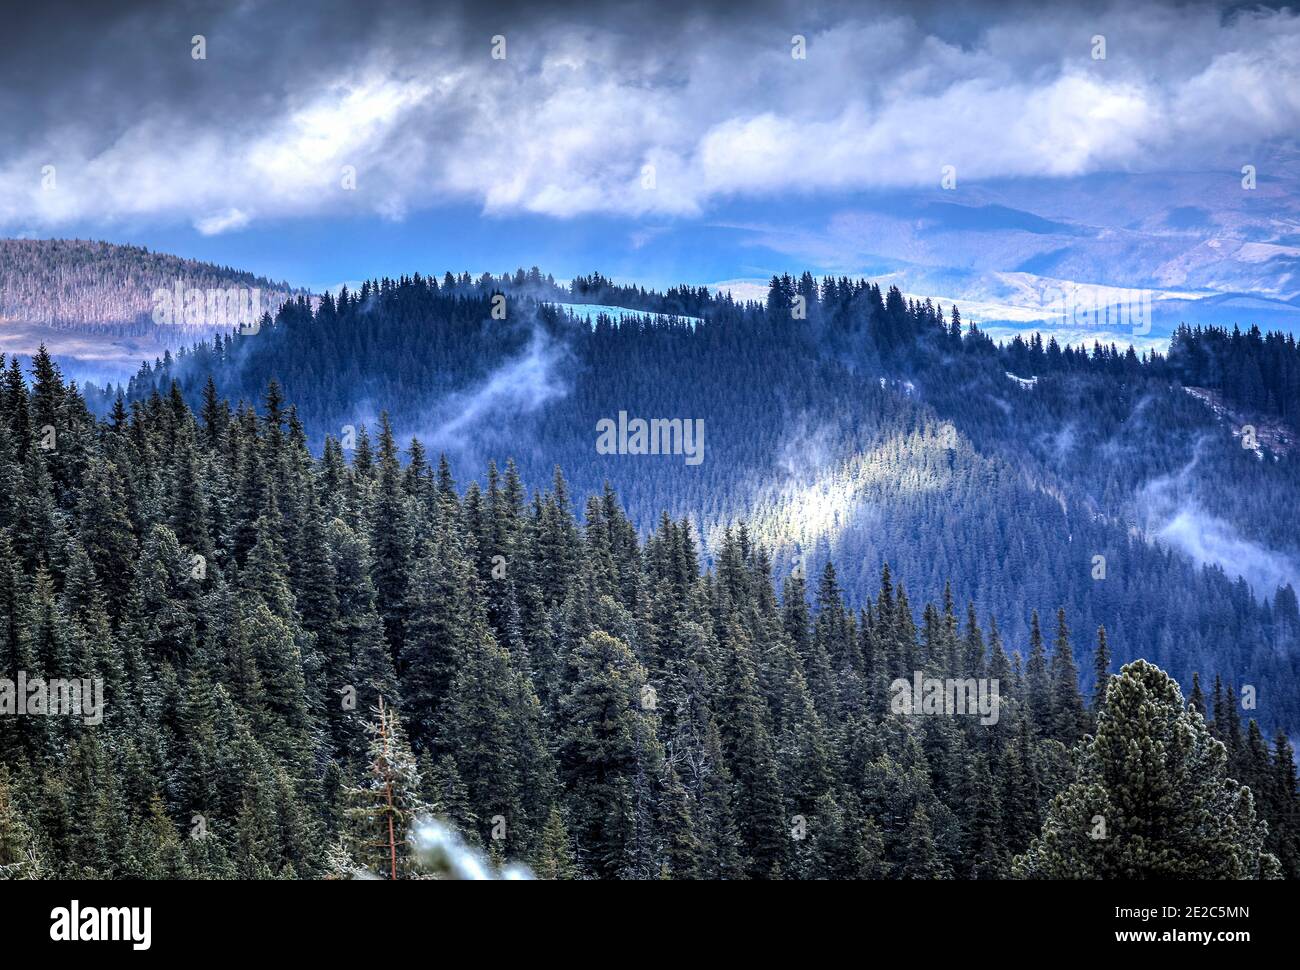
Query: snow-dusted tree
{"x": 1152, "y": 799}
{"x": 383, "y": 807}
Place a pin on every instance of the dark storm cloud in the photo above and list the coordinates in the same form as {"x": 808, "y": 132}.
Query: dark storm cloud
{"x": 591, "y": 98}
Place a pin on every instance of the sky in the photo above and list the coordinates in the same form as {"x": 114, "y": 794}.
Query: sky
{"x": 959, "y": 150}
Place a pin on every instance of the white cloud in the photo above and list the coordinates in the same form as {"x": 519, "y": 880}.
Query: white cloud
{"x": 227, "y": 221}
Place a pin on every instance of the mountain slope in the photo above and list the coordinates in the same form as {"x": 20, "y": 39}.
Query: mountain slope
{"x": 867, "y": 432}
{"x": 300, "y": 660}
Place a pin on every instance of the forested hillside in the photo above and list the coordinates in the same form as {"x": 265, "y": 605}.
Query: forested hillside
{"x": 843, "y": 424}
{"x": 1259, "y": 371}
{"x": 75, "y": 284}
{"x": 567, "y": 692}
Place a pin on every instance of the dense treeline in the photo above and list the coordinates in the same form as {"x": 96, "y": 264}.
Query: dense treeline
{"x": 830, "y": 430}
{"x": 564, "y": 693}
{"x": 1260, "y": 371}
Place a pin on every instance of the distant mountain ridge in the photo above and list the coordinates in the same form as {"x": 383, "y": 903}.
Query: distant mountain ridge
{"x": 1207, "y": 248}
{"x": 75, "y": 283}
{"x": 93, "y": 302}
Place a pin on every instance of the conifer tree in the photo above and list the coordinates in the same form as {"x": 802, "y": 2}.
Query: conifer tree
{"x": 1196, "y": 700}
{"x": 1101, "y": 673}
{"x": 921, "y": 858}
{"x": 603, "y": 739}
{"x": 384, "y": 805}
{"x": 555, "y": 861}
{"x": 1284, "y": 816}
{"x": 758, "y": 803}
{"x": 1068, "y": 718}
{"x": 1038, "y": 686}
{"x": 18, "y": 856}
{"x": 1152, "y": 799}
